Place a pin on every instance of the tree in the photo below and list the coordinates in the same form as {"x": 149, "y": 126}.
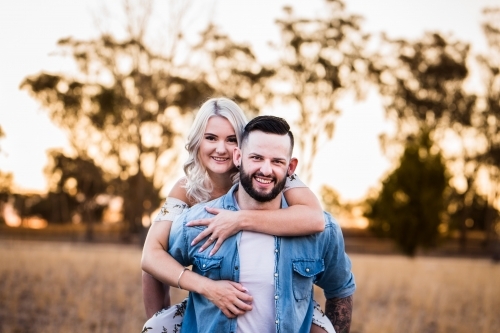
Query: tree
{"x": 321, "y": 61}
{"x": 75, "y": 187}
{"x": 233, "y": 70}
{"x": 410, "y": 205}
{"x": 6, "y": 180}
{"x": 488, "y": 122}
{"x": 123, "y": 107}
{"x": 422, "y": 83}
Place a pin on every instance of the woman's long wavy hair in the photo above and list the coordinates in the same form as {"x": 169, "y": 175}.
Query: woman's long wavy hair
{"x": 198, "y": 184}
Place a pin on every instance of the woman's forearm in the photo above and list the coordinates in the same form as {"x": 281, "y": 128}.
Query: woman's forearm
{"x": 159, "y": 263}
{"x": 295, "y": 220}
{"x": 154, "y": 294}
{"x": 163, "y": 267}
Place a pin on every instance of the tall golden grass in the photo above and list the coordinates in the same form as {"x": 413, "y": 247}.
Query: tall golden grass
{"x": 64, "y": 287}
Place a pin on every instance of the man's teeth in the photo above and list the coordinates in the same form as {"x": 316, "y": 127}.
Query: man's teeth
{"x": 260, "y": 180}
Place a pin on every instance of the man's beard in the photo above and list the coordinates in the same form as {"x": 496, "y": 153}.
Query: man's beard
{"x": 246, "y": 182}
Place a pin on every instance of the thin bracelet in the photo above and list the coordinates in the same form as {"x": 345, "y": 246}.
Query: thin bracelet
{"x": 179, "y": 279}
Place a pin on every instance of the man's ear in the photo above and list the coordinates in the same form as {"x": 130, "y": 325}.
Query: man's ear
{"x": 237, "y": 157}
{"x": 292, "y": 166}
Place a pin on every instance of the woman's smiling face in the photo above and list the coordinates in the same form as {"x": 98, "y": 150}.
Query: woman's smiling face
{"x": 217, "y": 145}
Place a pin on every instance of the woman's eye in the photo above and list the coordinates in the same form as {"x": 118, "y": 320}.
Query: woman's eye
{"x": 210, "y": 138}
{"x": 233, "y": 140}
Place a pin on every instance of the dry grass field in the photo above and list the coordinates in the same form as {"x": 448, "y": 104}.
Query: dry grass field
{"x": 63, "y": 287}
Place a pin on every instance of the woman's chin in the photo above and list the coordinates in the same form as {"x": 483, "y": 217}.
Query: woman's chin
{"x": 219, "y": 169}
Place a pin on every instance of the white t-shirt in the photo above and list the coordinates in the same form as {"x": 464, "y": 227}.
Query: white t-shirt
{"x": 256, "y": 252}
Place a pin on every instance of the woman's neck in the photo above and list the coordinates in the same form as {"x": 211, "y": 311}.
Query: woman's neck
{"x": 221, "y": 183}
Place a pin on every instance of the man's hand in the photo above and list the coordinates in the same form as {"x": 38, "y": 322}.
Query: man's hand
{"x": 339, "y": 311}
{"x": 230, "y": 297}
{"x": 220, "y": 227}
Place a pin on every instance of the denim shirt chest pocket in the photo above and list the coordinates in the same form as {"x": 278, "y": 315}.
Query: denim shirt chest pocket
{"x": 209, "y": 267}
{"x": 304, "y": 272}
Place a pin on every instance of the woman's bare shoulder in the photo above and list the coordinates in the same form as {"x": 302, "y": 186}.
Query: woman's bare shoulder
{"x": 179, "y": 190}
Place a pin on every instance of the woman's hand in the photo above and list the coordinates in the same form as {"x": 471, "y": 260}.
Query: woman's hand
{"x": 230, "y": 297}
{"x": 220, "y": 227}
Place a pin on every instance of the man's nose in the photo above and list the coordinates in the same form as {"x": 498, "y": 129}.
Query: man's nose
{"x": 266, "y": 168}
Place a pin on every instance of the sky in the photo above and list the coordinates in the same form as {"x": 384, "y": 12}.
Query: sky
{"x": 351, "y": 163}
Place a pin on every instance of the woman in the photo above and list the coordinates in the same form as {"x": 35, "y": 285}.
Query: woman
{"x": 210, "y": 173}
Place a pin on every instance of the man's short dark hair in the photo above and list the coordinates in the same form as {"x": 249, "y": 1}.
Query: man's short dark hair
{"x": 267, "y": 124}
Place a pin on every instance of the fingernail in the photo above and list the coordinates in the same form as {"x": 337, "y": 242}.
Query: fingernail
{"x": 245, "y": 289}
{"x": 200, "y": 250}
{"x": 192, "y": 243}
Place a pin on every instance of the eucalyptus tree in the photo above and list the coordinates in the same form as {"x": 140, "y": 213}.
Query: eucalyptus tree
{"x": 488, "y": 120}
{"x": 422, "y": 84}
{"x": 321, "y": 61}
{"x": 123, "y": 106}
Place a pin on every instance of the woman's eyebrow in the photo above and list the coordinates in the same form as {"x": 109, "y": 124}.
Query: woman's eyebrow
{"x": 210, "y": 134}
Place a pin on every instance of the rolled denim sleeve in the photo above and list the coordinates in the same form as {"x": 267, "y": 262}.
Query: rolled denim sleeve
{"x": 177, "y": 241}
{"x": 337, "y": 280}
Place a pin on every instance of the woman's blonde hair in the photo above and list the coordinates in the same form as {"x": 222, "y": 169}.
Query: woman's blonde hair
{"x": 198, "y": 184}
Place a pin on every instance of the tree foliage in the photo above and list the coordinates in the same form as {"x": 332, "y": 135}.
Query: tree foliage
{"x": 488, "y": 121}
{"x": 6, "y": 182}
{"x": 233, "y": 70}
{"x": 321, "y": 59}
{"x": 410, "y": 205}
{"x": 422, "y": 83}
{"x": 122, "y": 109}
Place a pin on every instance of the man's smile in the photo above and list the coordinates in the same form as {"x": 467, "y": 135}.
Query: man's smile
{"x": 262, "y": 180}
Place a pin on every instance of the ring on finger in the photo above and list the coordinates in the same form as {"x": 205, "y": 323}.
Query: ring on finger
{"x": 211, "y": 239}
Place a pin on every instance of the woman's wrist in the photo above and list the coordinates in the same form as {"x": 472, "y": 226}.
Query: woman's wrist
{"x": 194, "y": 282}
{"x": 242, "y": 221}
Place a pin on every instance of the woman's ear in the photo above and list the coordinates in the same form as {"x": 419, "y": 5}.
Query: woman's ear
{"x": 292, "y": 166}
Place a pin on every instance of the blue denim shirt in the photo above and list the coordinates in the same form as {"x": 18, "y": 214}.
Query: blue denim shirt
{"x": 300, "y": 262}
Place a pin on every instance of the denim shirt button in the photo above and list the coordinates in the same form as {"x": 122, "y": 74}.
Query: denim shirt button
{"x": 276, "y": 274}
{"x": 235, "y": 268}
{"x": 276, "y": 297}
{"x": 204, "y": 265}
{"x": 277, "y": 321}
{"x": 307, "y": 269}
{"x": 276, "y": 250}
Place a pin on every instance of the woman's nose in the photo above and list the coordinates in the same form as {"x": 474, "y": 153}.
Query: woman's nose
{"x": 220, "y": 148}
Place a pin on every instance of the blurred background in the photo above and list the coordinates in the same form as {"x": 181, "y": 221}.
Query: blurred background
{"x": 395, "y": 106}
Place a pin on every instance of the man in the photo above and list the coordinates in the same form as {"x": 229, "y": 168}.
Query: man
{"x": 278, "y": 272}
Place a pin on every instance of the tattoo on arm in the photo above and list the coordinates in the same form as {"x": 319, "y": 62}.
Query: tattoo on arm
{"x": 339, "y": 311}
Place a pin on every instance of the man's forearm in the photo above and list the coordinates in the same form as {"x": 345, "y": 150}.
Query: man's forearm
{"x": 339, "y": 311}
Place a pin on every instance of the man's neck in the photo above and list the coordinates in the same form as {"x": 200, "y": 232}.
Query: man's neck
{"x": 246, "y": 202}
